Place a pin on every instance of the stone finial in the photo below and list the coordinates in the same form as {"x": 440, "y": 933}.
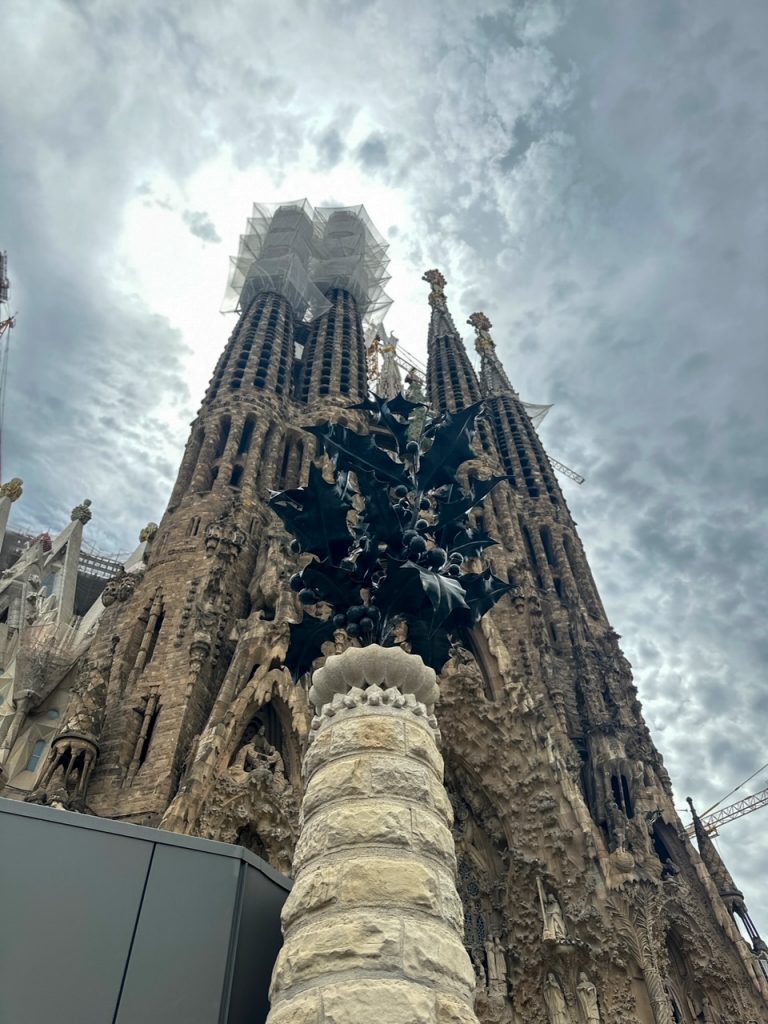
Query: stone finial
{"x": 12, "y": 489}
{"x": 374, "y": 665}
{"x": 148, "y": 532}
{"x": 437, "y": 282}
{"x": 482, "y": 325}
{"x": 82, "y": 513}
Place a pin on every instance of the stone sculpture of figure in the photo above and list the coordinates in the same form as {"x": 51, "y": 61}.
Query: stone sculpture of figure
{"x": 480, "y": 975}
{"x": 586, "y": 993}
{"x": 555, "y": 1001}
{"x": 260, "y": 753}
{"x": 497, "y": 963}
{"x": 554, "y": 924}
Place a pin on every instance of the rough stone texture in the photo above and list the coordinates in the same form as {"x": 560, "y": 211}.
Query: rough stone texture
{"x": 539, "y": 716}
{"x": 373, "y": 897}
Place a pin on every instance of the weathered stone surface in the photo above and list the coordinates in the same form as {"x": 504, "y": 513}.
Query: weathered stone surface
{"x": 369, "y": 822}
{"x": 419, "y": 743}
{"x": 401, "y": 883}
{"x": 435, "y": 956}
{"x": 340, "y": 943}
{"x": 431, "y": 835}
{"x": 339, "y": 779}
{"x": 453, "y": 1011}
{"x": 378, "y": 1002}
{"x": 369, "y": 732}
{"x": 393, "y": 777}
{"x": 302, "y": 1010}
{"x": 316, "y": 887}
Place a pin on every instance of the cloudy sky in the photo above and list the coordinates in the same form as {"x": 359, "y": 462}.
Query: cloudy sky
{"x": 591, "y": 174}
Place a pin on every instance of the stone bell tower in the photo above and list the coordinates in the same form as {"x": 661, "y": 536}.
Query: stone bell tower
{"x": 583, "y": 900}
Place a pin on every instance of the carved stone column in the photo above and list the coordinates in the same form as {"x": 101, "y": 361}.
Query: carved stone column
{"x": 373, "y": 926}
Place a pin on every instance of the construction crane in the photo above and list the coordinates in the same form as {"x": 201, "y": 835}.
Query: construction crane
{"x": 7, "y": 323}
{"x": 716, "y": 816}
{"x": 408, "y": 363}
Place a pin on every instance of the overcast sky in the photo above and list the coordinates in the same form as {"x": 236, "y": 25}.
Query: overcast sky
{"x": 591, "y": 174}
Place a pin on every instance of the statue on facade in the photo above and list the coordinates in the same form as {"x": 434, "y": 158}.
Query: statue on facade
{"x": 555, "y": 1001}
{"x": 586, "y": 993}
{"x": 554, "y": 924}
{"x": 496, "y": 959}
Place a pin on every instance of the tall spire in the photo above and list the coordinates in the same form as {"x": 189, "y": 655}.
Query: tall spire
{"x": 451, "y": 380}
{"x": 493, "y": 376}
{"x": 721, "y": 876}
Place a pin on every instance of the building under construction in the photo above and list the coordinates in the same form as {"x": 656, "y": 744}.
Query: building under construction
{"x": 583, "y": 897}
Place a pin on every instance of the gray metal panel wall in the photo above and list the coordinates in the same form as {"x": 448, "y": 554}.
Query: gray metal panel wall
{"x": 106, "y": 923}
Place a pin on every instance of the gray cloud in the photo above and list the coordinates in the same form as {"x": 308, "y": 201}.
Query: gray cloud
{"x": 591, "y": 174}
{"x": 200, "y": 224}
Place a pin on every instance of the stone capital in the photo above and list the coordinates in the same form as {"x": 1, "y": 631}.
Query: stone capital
{"x": 386, "y": 667}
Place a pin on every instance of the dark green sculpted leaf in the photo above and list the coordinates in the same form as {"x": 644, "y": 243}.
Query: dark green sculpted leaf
{"x": 358, "y": 453}
{"x": 316, "y": 515}
{"x": 451, "y": 436}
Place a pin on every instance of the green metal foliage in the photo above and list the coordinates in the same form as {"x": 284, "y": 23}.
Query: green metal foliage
{"x": 388, "y": 550}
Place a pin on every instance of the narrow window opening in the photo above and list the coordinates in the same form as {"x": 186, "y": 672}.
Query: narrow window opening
{"x": 546, "y": 541}
{"x": 224, "y": 429}
{"x": 148, "y": 737}
{"x": 35, "y": 755}
{"x": 630, "y": 811}
{"x": 236, "y": 476}
{"x": 153, "y": 639}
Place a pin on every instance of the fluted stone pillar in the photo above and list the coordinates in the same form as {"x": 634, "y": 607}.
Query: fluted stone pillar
{"x": 373, "y": 927}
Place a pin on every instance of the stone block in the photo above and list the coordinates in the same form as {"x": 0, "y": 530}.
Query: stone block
{"x": 391, "y": 882}
{"x": 314, "y": 888}
{"x": 378, "y": 1002}
{"x": 303, "y": 1010}
{"x": 453, "y": 909}
{"x": 312, "y": 841}
{"x": 367, "y": 821}
{"x": 391, "y": 776}
{"x": 435, "y": 956}
{"x": 345, "y": 943}
{"x": 368, "y": 732}
{"x": 453, "y": 1011}
{"x": 431, "y": 835}
{"x": 345, "y": 778}
{"x": 319, "y": 751}
{"x": 420, "y": 743}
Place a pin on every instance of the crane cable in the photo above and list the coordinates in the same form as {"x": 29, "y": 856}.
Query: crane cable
{"x": 734, "y": 790}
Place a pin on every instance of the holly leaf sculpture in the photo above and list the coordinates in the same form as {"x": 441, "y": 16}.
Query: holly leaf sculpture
{"x": 392, "y": 551}
{"x": 482, "y": 590}
{"x": 451, "y": 447}
{"x": 316, "y": 515}
{"x": 357, "y": 453}
{"x": 305, "y": 643}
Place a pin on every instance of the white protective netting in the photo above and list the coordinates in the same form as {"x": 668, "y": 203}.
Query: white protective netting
{"x": 301, "y": 253}
{"x": 274, "y": 255}
{"x": 351, "y": 254}
{"x": 536, "y": 413}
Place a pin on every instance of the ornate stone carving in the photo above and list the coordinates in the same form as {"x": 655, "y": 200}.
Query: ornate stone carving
{"x": 554, "y": 1000}
{"x": 586, "y": 993}
{"x": 120, "y": 587}
{"x": 12, "y": 489}
{"x": 82, "y": 513}
{"x": 148, "y": 532}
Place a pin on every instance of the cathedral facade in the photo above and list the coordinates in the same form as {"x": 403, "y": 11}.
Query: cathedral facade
{"x": 584, "y": 900}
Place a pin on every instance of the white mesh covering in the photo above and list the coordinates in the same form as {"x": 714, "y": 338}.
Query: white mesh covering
{"x": 351, "y": 254}
{"x": 300, "y": 253}
{"x": 536, "y": 413}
